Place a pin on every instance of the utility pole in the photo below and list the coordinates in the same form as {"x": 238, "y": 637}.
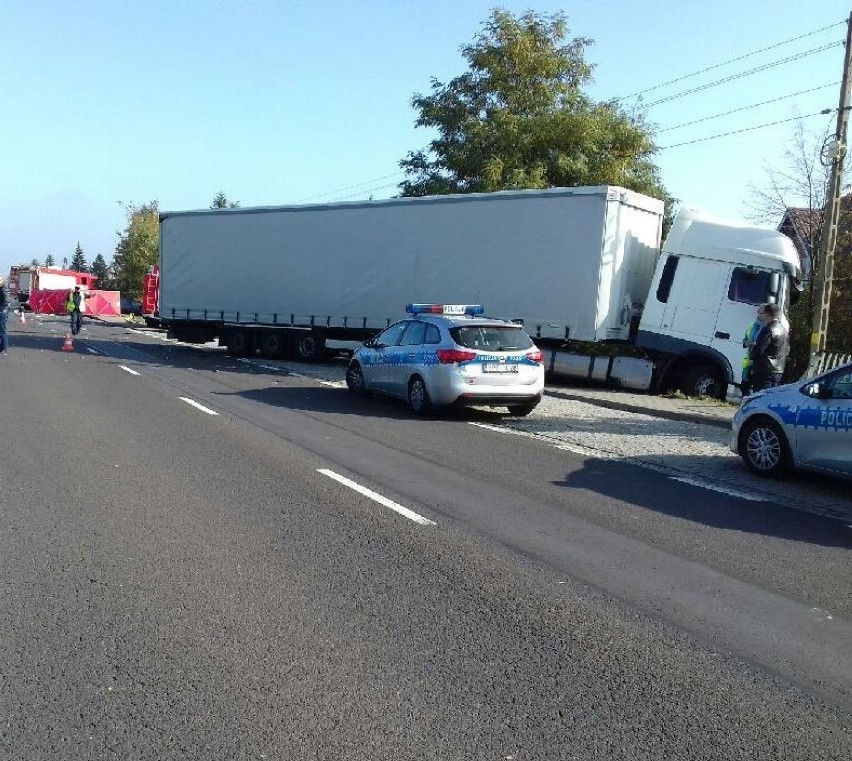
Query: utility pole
{"x": 823, "y": 278}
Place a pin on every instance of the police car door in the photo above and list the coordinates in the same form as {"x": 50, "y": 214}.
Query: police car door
{"x": 405, "y": 357}
{"x": 824, "y": 425}
{"x": 377, "y": 360}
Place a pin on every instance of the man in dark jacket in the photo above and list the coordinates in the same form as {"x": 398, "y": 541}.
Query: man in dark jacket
{"x": 770, "y": 350}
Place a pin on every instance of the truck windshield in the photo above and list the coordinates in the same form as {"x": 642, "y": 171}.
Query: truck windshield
{"x": 491, "y": 337}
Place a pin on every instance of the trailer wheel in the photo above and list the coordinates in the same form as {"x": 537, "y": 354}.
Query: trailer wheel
{"x": 239, "y": 343}
{"x": 272, "y": 345}
{"x": 310, "y": 347}
{"x": 703, "y": 380}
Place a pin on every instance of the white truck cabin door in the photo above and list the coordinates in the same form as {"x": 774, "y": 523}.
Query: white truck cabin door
{"x": 747, "y": 288}
{"x": 693, "y": 303}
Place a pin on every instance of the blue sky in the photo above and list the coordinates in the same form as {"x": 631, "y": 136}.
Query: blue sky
{"x": 282, "y": 102}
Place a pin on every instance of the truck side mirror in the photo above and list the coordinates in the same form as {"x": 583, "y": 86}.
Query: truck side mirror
{"x": 775, "y": 284}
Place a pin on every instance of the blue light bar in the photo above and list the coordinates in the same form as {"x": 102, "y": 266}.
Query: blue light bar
{"x": 448, "y": 309}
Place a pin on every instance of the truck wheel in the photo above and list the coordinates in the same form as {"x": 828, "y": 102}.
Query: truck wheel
{"x": 703, "y": 380}
{"x": 239, "y": 344}
{"x": 310, "y": 347}
{"x": 418, "y": 396}
{"x": 272, "y": 345}
{"x": 764, "y": 448}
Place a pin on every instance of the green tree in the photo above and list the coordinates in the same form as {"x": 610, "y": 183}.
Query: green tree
{"x": 48, "y": 260}
{"x": 34, "y": 263}
{"x": 138, "y": 247}
{"x": 100, "y": 269}
{"x": 518, "y": 118}
{"x": 78, "y": 261}
{"x": 220, "y": 201}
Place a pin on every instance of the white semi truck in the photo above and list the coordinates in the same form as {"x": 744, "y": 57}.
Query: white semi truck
{"x": 580, "y": 268}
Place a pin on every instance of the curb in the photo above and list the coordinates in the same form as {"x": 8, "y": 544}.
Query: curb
{"x": 689, "y": 417}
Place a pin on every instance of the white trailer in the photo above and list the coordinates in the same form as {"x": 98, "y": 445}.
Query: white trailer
{"x": 574, "y": 265}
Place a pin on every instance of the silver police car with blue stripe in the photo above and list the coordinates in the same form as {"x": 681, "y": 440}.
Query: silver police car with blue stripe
{"x": 799, "y": 425}
{"x": 451, "y": 355}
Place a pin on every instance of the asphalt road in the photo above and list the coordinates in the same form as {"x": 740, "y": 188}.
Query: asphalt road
{"x": 180, "y": 584}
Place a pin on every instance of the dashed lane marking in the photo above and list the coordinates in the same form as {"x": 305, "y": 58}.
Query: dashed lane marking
{"x": 198, "y": 406}
{"x": 128, "y": 370}
{"x": 397, "y": 508}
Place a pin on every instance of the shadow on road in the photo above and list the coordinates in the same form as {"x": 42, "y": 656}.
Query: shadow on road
{"x": 682, "y": 500}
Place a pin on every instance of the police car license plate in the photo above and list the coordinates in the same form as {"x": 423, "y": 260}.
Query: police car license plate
{"x": 499, "y": 367}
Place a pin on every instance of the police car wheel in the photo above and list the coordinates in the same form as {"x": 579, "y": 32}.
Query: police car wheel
{"x": 764, "y": 448}
{"x": 418, "y": 396}
{"x": 355, "y": 378}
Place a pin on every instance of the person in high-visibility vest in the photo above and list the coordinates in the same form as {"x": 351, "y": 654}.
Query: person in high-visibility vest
{"x": 748, "y": 342}
{"x": 76, "y": 305}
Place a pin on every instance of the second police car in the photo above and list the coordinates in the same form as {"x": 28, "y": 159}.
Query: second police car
{"x": 803, "y": 425}
{"x": 451, "y": 355}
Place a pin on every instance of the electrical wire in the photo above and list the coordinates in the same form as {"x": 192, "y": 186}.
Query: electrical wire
{"x": 352, "y": 187}
{"x": 731, "y": 60}
{"x": 739, "y": 131}
{"x": 691, "y": 91}
{"x": 367, "y": 191}
{"x": 746, "y": 108}
{"x": 746, "y": 73}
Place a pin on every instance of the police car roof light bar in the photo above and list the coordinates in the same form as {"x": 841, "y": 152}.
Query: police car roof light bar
{"x": 450, "y": 309}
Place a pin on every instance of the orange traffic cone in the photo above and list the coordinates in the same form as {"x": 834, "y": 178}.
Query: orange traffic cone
{"x": 69, "y": 344}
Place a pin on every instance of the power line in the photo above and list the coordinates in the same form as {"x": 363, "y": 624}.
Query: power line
{"x": 746, "y": 108}
{"x": 731, "y": 60}
{"x": 351, "y": 187}
{"x": 746, "y": 73}
{"x": 368, "y": 190}
{"x": 739, "y": 131}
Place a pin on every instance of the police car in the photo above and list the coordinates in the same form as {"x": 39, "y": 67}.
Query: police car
{"x": 451, "y": 355}
{"x": 805, "y": 426}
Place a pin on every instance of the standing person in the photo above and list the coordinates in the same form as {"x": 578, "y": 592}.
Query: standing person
{"x": 76, "y": 305}
{"x": 4, "y": 316}
{"x": 748, "y": 343}
{"x": 769, "y": 353}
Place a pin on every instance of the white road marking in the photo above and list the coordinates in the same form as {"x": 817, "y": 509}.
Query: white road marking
{"x": 333, "y": 384}
{"x": 91, "y": 350}
{"x": 723, "y": 489}
{"x": 604, "y": 455}
{"x": 410, "y": 514}
{"x": 198, "y": 406}
{"x": 128, "y": 370}
{"x": 574, "y": 448}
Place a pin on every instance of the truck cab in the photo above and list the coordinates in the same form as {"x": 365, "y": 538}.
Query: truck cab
{"x": 710, "y": 278}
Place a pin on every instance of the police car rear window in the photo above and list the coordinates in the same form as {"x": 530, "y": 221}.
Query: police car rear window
{"x": 491, "y": 337}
